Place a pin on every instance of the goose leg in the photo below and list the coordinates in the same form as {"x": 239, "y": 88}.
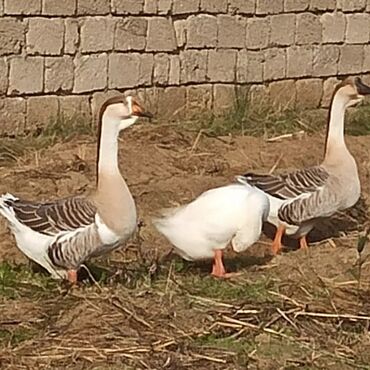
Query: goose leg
{"x": 72, "y": 276}
{"x": 303, "y": 242}
{"x": 276, "y": 244}
{"x": 218, "y": 269}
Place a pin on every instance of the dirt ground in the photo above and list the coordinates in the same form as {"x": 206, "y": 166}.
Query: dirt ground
{"x": 298, "y": 310}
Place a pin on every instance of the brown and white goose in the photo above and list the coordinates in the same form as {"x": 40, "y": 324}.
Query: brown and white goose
{"x": 298, "y": 200}
{"x": 60, "y": 235}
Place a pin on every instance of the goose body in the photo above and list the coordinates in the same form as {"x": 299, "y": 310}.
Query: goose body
{"x": 60, "y": 235}
{"x": 204, "y": 227}
{"x": 298, "y": 200}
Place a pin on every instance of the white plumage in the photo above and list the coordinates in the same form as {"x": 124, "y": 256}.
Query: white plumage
{"x": 233, "y": 213}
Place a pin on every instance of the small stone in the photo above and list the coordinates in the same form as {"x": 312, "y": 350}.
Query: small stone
{"x": 213, "y": 6}
{"x": 131, "y": 34}
{"x": 174, "y": 74}
{"x": 11, "y": 36}
{"x": 309, "y": 93}
{"x": 161, "y": 68}
{"x": 269, "y": 7}
{"x": 201, "y": 31}
{"x": 231, "y": 31}
{"x": 181, "y": 26}
{"x": 161, "y": 35}
{"x": 193, "y": 65}
{"x": 93, "y": 7}
{"x": 127, "y": 6}
{"x": 185, "y": 6}
{"x": 325, "y": 60}
{"x": 308, "y": 29}
{"x": 299, "y": 61}
{"x": 275, "y": 64}
{"x": 45, "y": 36}
{"x": 22, "y": 7}
{"x": 97, "y": 34}
{"x": 90, "y": 73}
{"x": 296, "y": 5}
{"x": 26, "y": 75}
{"x": 58, "y": 74}
{"x": 71, "y": 36}
{"x": 12, "y": 116}
{"x": 281, "y": 29}
{"x": 356, "y": 26}
{"x": 258, "y": 30}
{"x": 41, "y": 110}
{"x": 221, "y": 65}
{"x": 333, "y": 27}
{"x": 3, "y": 76}
{"x": 282, "y": 93}
{"x": 57, "y": 7}
{"x": 350, "y": 60}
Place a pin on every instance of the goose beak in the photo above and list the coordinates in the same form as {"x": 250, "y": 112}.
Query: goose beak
{"x": 362, "y": 89}
{"x": 139, "y": 111}
{"x": 144, "y": 114}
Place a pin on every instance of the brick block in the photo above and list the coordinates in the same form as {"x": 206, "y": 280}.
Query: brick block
{"x": 249, "y": 66}
{"x": 213, "y": 6}
{"x": 45, "y": 36}
{"x": 185, "y": 6}
{"x": 11, "y": 36}
{"x": 258, "y": 94}
{"x": 296, "y": 5}
{"x": 1, "y": 7}
{"x": 242, "y": 6}
{"x": 130, "y": 70}
{"x": 71, "y": 36}
{"x": 74, "y": 106}
{"x": 309, "y": 93}
{"x": 328, "y": 90}
{"x": 258, "y": 30}
{"x": 198, "y": 100}
{"x": 224, "y": 97}
{"x": 181, "y": 27}
{"x": 351, "y": 5}
{"x": 333, "y": 27}
{"x": 282, "y": 29}
{"x": 174, "y": 74}
{"x": 12, "y": 116}
{"x": 131, "y": 34}
{"x": 93, "y": 7}
{"x": 164, "y": 6}
{"x": 325, "y": 60}
{"x": 90, "y": 73}
{"x": 366, "y": 62}
{"x": 41, "y": 110}
{"x": 321, "y": 5}
{"x": 161, "y": 35}
{"x": 282, "y": 93}
{"x": 150, "y": 6}
{"x": 193, "y": 66}
{"x": 127, "y": 6}
{"x": 172, "y": 102}
{"x": 299, "y": 61}
{"x": 201, "y": 31}
{"x": 22, "y": 7}
{"x": 3, "y": 76}
{"x": 308, "y": 29}
{"x": 269, "y": 7}
{"x": 356, "y": 26}
{"x": 275, "y": 64}
{"x": 161, "y": 69}
{"x": 57, "y": 7}
{"x": 58, "y": 74}
{"x": 351, "y": 59}
{"x": 26, "y": 75}
{"x": 97, "y": 34}
{"x": 98, "y": 99}
{"x": 221, "y": 65}
{"x": 231, "y": 31}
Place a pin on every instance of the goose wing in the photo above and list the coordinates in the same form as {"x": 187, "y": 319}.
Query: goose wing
{"x": 51, "y": 218}
{"x": 291, "y": 185}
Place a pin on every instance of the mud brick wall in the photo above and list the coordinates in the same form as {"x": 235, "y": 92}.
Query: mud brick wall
{"x": 184, "y": 56}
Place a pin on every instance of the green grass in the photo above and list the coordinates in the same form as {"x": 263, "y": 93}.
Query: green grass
{"x": 359, "y": 121}
{"x": 17, "y": 335}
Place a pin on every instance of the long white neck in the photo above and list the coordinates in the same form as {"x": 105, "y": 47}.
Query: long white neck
{"x": 335, "y": 135}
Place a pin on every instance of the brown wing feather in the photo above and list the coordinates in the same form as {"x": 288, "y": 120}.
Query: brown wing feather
{"x": 291, "y": 185}
{"x": 53, "y": 217}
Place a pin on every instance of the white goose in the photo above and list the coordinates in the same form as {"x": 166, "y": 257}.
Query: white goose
{"x": 300, "y": 199}
{"x": 60, "y": 235}
{"x": 203, "y": 228}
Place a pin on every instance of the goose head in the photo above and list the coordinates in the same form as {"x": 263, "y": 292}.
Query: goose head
{"x": 122, "y": 112}
{"x": 351, "y": 91}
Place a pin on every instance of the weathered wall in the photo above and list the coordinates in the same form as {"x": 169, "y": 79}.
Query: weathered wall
{"x": 187, "y": 55}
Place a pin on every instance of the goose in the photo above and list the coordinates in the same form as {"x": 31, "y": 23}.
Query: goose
{"x": 203, "y": 228}
{"x": 61, "y": 234}
{"x": 300, "y": 199}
